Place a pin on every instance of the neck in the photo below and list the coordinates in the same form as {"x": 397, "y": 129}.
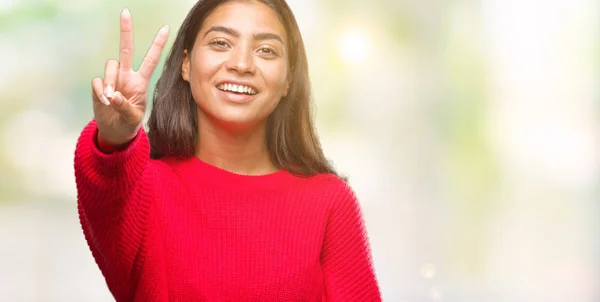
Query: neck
{"x": 241, "y": 152}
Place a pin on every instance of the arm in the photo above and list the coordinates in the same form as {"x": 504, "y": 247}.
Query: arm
{"x": 346, "y": 256}
{"x": 111, "y": 208}
{"x": 115, "y": 190}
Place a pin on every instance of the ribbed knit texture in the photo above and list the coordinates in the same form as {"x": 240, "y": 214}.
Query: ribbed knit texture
{"x": 183, "y": 230}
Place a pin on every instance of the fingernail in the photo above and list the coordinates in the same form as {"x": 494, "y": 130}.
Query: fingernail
{"x": 108, "y": 91}
{"x": 104, "y": 100}
{"x": 118, "y": 99}
{"x": 165, "y": 29}
{"x": 126, "y": 11}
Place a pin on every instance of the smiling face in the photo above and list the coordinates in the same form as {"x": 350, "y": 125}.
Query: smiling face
{"x": 238, "y": 67}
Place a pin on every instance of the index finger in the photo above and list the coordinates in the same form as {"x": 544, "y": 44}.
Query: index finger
{"x": 126, "y": 45}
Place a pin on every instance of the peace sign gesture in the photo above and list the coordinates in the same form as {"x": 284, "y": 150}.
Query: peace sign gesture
{"x": 120, "y": 98}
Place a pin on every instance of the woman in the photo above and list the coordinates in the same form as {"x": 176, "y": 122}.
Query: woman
{"x": 228, "y": 196}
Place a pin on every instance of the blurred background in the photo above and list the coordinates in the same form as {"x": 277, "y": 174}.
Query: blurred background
{"x": 469, "y": 130}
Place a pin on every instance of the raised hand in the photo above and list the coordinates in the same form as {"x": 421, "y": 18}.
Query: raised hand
{"x": 120, "y": 98}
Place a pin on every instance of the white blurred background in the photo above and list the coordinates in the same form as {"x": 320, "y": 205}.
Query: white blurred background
{"x": 469, "y": 130}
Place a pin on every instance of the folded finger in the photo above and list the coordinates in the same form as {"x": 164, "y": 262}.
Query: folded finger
{"x": 111, "y": 72}
{"x": 98, "y": 91}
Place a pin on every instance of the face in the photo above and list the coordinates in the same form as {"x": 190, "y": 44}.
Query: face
{"x": 238, "y": 67}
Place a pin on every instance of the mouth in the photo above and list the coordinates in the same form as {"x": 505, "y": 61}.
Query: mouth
{"x": 237, "y": 88}
{"x": 236, "y": 93}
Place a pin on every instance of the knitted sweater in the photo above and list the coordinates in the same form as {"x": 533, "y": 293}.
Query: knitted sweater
{"x": 184, "y": 230}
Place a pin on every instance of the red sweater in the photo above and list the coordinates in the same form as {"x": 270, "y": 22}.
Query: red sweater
{"x": 183, "y": 230}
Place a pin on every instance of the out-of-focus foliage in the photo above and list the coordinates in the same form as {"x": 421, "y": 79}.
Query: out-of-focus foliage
{"x": 469, "y": 130}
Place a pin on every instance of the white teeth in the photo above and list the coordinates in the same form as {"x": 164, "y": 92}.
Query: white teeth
{"x": 237, "y": 88}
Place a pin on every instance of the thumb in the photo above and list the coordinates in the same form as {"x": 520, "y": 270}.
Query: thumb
{"x": 125, "y": 109}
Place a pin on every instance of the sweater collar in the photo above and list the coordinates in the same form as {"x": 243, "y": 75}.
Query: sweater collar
{"x": 239, "y": 182}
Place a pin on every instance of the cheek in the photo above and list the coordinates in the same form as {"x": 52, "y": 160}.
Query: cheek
{"x": 204, "y": 67}
{"x": 201, "y": 75}
{"x": 277, "y": 76}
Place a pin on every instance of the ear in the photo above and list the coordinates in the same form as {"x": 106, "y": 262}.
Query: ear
{"x": 185, "y": 66}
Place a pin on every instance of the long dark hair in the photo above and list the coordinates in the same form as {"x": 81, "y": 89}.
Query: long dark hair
{"x": 291, "y": 139}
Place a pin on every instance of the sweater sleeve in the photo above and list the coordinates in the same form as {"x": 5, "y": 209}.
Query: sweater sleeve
{"x": 113, "y": 205}
{"x": 346, "y": 256}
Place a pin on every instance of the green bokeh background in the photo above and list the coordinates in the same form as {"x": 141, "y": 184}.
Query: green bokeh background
{"x": 469, "y": 130}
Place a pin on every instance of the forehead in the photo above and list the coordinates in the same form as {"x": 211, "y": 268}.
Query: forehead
{"x": 246, "y": 17}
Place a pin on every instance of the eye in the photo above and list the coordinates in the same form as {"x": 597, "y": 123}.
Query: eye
{"x": 267, "y": 50}
{"x": 219, "y": 43}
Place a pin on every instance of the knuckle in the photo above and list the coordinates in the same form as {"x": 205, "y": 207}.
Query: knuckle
{"x": 97, "y": 81}
{"x": 112, "y": 62}
{"x": 126, "y": 50}
{"x": 150, "y": 60}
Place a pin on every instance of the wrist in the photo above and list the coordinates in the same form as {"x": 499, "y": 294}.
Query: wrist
{"x": 108, "y": 146}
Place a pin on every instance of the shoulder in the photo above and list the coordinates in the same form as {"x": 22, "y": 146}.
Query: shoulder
{"x": 168, "y": 167}
{"x": 168, "y": 176}
{"x": 330, "y": 182}
{"x": 331, "y": 189}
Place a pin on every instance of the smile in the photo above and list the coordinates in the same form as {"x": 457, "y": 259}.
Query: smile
{"x": 236, "y": 88}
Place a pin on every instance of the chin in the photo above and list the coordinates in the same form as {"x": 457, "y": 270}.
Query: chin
{"x": 238, "y": 121}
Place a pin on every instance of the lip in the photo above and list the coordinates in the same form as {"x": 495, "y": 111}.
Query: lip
{"x": 237, "y": 83}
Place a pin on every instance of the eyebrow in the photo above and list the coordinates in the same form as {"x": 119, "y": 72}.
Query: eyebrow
{"x": 235, "y": 33}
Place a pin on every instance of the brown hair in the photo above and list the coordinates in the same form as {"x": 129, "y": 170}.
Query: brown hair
{"x": 291, "y": 139}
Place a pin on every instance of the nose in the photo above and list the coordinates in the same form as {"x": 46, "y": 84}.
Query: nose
{"x": 241, "y": 60}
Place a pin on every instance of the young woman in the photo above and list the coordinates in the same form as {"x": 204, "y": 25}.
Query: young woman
{"x": 228, "y": 196}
